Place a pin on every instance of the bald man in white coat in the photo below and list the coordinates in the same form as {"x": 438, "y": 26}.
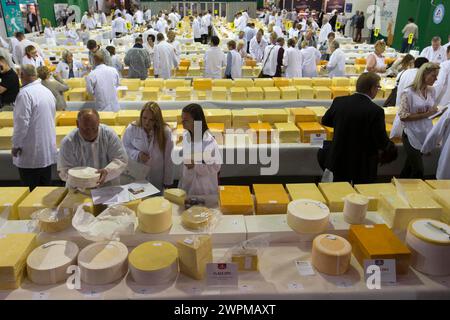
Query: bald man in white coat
{"x": 165, "y": 58}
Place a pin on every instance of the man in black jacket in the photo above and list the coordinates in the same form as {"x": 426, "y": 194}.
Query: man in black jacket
{"x": 359, "y": 133}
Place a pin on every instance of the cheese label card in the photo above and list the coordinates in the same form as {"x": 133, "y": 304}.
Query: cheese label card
{"x": 222, "y": 274}
{"x": 410, "y": 38}
{"x": 317, "y": 139}
{"x": 304, "y": 268}
{"x": 387, "y": 269}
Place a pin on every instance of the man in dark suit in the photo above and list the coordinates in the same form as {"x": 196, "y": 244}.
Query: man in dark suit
{"x": 359, "y": 133}
{"x": 32, "y": 21}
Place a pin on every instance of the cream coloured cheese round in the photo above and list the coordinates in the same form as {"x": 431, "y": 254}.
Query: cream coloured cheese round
{"x": 155, "y": 215}
{"x": 308, "y": 216}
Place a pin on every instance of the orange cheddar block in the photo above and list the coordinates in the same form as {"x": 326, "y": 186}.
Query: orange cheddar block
{"x": 235, "y": 200}
{"x": 270, "y": 199}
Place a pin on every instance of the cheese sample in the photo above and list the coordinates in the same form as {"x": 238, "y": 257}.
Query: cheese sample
{"x": 14, "y": 249}
{"x": 304, "y": 191}
{"x": 155, "y": 215}
{"x": 373, "y": 192}
{"x": 302, "y": 115}
{"x": 103, "y": 262}
{"x": 154, "y": 262}
{"x": 340, "y": 82}
{"x": 201, "y": 95}
{"x": 340, "y": 92}
{"x": 62, "y": 132}
{"x": 398, "y": 212}
{"x": 41, "y": 198}
{"x": 247, "y": 71}
{"x": 270, "y": 199}
{"x": 68, "y": 118}
{"x": 442, "y": 197}
{"x": 241, "y": 118}
{"x": 308, "y": 216}
{"x": 175, "y": 195}
{"x": 287, "y": 132}
{"x": 227, "y": 83}
{"x": 438, "y": 184}
{"x": 5, "y": 138}
{"x": 305, "y": 92}
{"x": 319, "y": 112}
{"x": 334, "y": 193}
{"x": 246, "y": 259}
{"x": 132, "y": 84}
{"x": 238, "y": 94}
{"x": 429, "y": 242}
{"x": 281, "y": 82}
{"x": 273, "y": 115}
{"x": 202, "y": 84}
{"x": 271, "y": 93}
{"x": 331, "y": 254}
{"x": 378, "y": 242}
{"x": 235, "y": 200}
{"x": 322, "y": 93}
{"x": 48, "y": 263}
{"x": 150, "y": 94}
{"x": 302, "y": 81}
{"x": 309, "y": 128}
{"x": 355, "y": 208}
{"x": 263, "y": 82}
{"x": 196, "y": 218}
{"x": 10, "y": 198}
{"x": 246, "y": 83}
{"x": 219, "y": 93}
{"x": 261, "y": 133}
{"x": 6, "y": 119}
{"x": 194, "y": 254}
{"x": 255, "y": 93}
{"x": 218, "y": 116}
{"x": 154, "y": 82}
{"x": 322, "y": 82}
{"x": 288, "y": 93}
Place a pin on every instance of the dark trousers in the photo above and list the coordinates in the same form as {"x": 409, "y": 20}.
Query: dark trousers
{"x": 406, "y": 46}
{"x": 36, "y": 177}
{"x": 413, "y": 168}
{"x": 358, "y": 35}
{"x": 204, "y": 38}
{"x": 197, "y": 39}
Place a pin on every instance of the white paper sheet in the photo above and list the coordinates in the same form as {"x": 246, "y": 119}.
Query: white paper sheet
{"x": 122, "y": 194}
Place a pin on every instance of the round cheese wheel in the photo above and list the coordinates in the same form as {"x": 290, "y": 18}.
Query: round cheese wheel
{"x": 155, "y": 215}
{"x": 355, "y": 208}
{"x": 429, "y": 242}
{"x": 308, "y": 216}
{"x": 103, "y": 262}
{"x": 196, "y": 218}
{"x": 154, "y": 262}
{"x": 331, "y": 254}
{"x": 52, "y": 220}
{"x": 83, "y": 177}
{"x": 48, "y": 263}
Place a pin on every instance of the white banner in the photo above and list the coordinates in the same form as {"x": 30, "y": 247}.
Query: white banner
{"x": 388, "y": 17}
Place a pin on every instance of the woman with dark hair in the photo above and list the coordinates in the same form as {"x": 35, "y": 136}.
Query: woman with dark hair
{"x": 202, "y": 159}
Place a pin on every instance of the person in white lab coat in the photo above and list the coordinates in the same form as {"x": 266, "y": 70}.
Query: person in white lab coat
{"x": 162, "y": 26}
{"x": 257, "y": 46}
{"x": 325, "y": 31}
{"x": 138, "y": 17}
{"x": 49, "y": 33}
{"x": 274, "y": 28}
{"x": 208, "y": 22}
{"x": 138, "y": 60}
{"x": 250, "y": 33}
{"x": 435, "y": 53}
{"x": 149, "y": 45}
{"x": 32, "y": 57}
{"x": 196, "y": 29}
{"x": 116, "y": 62}
{"x": 119, "y": 26}
{"x": 171, "y": 39}
{"x": 147, "y": 14}
{"x": 92, "y": 145}
{"x": 440, "y": 136}
{"x": 293, "y": 60}
{"x": 93, "y": 49}
{"x": 203, "y": 28}
{"x": 20, "y": 48}
{"x": 233, "y": 69}
{"x": 34, "y": 137}
{"x": 148, "y": 142}
{"x": 202, "y": 159}
{"x": 165, "y": 58}
{"x": 311, "y": 58}
{"x": 336, "y": 65}
{"x": 102, "y": 18}
{"x": 214, "y": 59}
{"x": 69, "y": 68}
{"x": 270, "y": 59}
{"x": 442, "y": 84}
{"x": 173, "y": 17}
{"x": 102, "y": 83}
{"x": 241, "y": 37}
{"x": 129, "y": 18}
{"x": 89, "y": 21}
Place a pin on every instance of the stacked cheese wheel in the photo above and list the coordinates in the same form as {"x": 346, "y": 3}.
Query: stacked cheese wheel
{"x": 52, "y": 220}
{"x": 155, "y": 215}
{"x": 355, "y": 208}
{"x": 331, "y": 254}
{"x": 83, "y": 177}
{"x": 154, "y": 262}
{"x": 308, "y": 216}
{"x": 196, "y": 218}
{"x": 48, "y": 263}
{"x": 103, "y": 262}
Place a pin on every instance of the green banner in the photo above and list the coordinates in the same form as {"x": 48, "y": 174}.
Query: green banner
{"x": 12, "y": 16}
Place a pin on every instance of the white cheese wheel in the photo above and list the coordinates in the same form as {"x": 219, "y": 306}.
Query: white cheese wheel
{"x": 308, "y": 216}
{"x": 83, "y": 177}
{"x": 52, "y": 220}
{"x": 155, "y": 215}
{"x": 175, "y": 195}
{"x": 103, "y": 262}
{"x": 429, "y": 242}
{"x": 196, "y": 218}
{"x": 48, "y": 263}
{"x": 355, "y": 208}
{"x": 154, "y": 262}
{"x": 331, "y": 254}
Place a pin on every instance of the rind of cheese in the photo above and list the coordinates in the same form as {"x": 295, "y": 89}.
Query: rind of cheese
{"x": 305, "y": 191}
{"x": 194, "y": 254}
{"x": 235, "y": 200}
{"x": 355, "y": 208}
{"x": 331, "y": 254}
{"x": 10, "y": 198}
{"x": 334, "y": 194}
{"x": 155, "y": 215}
{"x": 308, "y": 216}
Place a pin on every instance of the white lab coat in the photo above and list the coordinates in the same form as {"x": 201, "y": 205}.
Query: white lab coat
{"x": 271, "y": 56}
{"x": 117, "y": 64}
{"x": 205, "y": 24}
{"x": 196, "y": 29}
{"x": 440, "y": 135}
{"x": 102, "y": 83}
{"x": 90, "y": 23}
{"x": 165, "y": 60}
{"x": 240, "y": 24}
{"x": 38, "y": 62}
{"x": 160, "y": 165}
{"x": 20, "y": 50}
{"x": 49, "y": 33}
{"x": 293, "y": 60}
{"x": 203, "y": 28}
{"x": 148, "y": 14}
{"x": 324, "y": 32}
{"x": 162, "y": 26}
{"x": 14, "y": 43}
{"x": 257, "y": 49}
{"x": 102, "y": 19}
{"x": 278, "y": 31}
{"x": 139, "y": 17}
{"x": 236, "y": 65}
{"x": 311, "y": 57}
{"x": 177, "y": 47}
{"x": 129, "y": 18}
{"x": 202, "y": 179}
{"x": 119, "y": 25}
{"x": 214, "y": 59}
{"x": 437, "y": 56}
{"x": 63, "y": 69}
{"x": 442, "y": 85}
{"x": 173, "y": 20}
{"x": 34, "y": 127}
{"x": 105, "y": 152}
{"x": 336, "y": 65}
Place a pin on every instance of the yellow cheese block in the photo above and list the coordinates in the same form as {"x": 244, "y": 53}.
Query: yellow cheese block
{"x": 442, "y": 197}
{"x": 155, "y": 215}
{"x": 75, "y": 83}
{"x": 73, "y": 199}
{"x": 132, "y": 84}
{"x": 201, "y": 95}
{"x": 305, "y": 191}
{"x": 14, "y": 249}
{"x": 238, "y": 94}
{"x": 273, "y": 115}
{"x": 173, "y": 83}
{"x": 340, "y": 91}
{"x": 195, "y": 71}
{"x": 5, "y": 138}
{"x": 305, "y": 92}
{"x": 246, "y": 83}
{"x": 334, "y": 193}
{"x": 125, "y": 117}
{"x": 287, "y": 132}
{"x": 330, "y": 132}
{"x": 270, "y": 199}
{"x": 78, "y": 94}
{"x": 414, "y": 185}
{"x": 219, "y": 93}
{"x": 350, "y": 69}
{"x": 6, "y": 119}
{"x": 181, "y": 71}
{"x": 303, "y": 115}
{"x": 119, "y": 130}
{"x": 175, "y": 195}
{"x": 263, "y": 82}
{"x": 246, "y": 260}
{"x": 227, "y": 83}
{"x": 150, "y": 93}
{"x": 61, "y": 132}
{"x": 340, "y": 82}
{"x": 68, "y": 118}
{"x": 373, "y": 192}
{"x": 322, "y": 93}
{"x": 154, "y": 82}
{"x": 218, "y": 116}
{"x": 288, "y": 93}
{"x": 260, "y": 133}
{"x": 241, "y": 118}
{"x": 183, "y": 92}
{"x": 171, "y": 115}
{"x": 438, "y": 184}
{"x": 194, "y": 254}
{"x": 247, "y": 71}
{"x": 235, "y": 200}
{"x": 10, "y": 197}
{"x": 108, "y": 117}
{"x": 389, "y": 114}
{"x": 271, "y": 93}
{"x": 309, "y": 128}
{"x": 41, "y": 198}
{"x": 322, "y": 82}
{"x": 319, "y": 111}
{"x": 202, "y": 84}
{"x": 255, "y": 93}
{"x": 302, "y": 81}
{"x": 218, "y": 132}
{"x": 281, "y": 82}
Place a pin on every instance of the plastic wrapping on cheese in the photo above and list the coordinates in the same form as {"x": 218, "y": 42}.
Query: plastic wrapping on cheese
{"x": 52, "y": 220}
{"x": 245, "y": 254}
{"x": 198, "y": 218}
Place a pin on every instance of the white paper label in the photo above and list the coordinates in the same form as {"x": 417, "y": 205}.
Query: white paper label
{"x": 157, "y": 244}
{"x": 317, "y": 139}
{"x": 273, "y": 201}
{"x": 387, "y": 269}
{"x": 248, "y": 263}
{"x": 188, "y": 241}
{"x": 368, "y": 226}
{"x": 222, "y": 274}
{"x": 304, "y": 268}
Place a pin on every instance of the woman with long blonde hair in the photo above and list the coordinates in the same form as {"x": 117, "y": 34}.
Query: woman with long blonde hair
{"x": 148, "y": 141}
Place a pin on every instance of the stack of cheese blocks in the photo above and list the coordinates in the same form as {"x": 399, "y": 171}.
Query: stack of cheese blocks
{"x": 41, "y": 198}
{"x": 287, "y": 132}
{"x": 10, "y": 198}
{"x": 261, "y": 133}
{"x": 241, "y": 118}
{"x": 183, "y": 93}
{"x": 218, "y": 116}
{"x": 441, "y": 194}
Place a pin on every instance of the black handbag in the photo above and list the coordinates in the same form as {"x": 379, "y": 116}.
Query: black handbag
{"x": 389, "y": 154}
